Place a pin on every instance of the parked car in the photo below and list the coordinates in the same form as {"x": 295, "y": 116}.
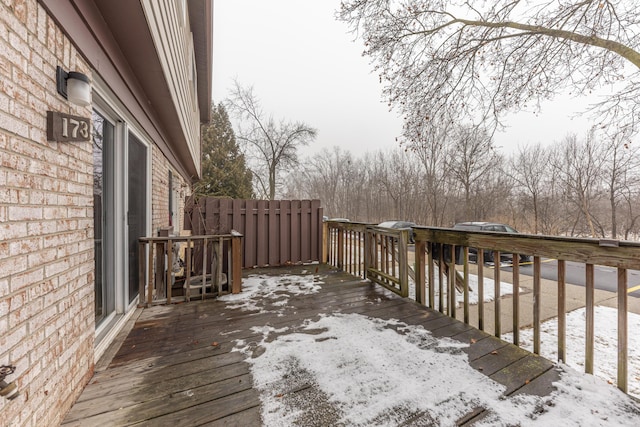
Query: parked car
{"x": 400, "y": 224}
{"x": 488, "y": 255}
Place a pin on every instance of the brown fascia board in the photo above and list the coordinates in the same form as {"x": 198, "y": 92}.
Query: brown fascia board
{"x": 201, "y": 20}
{"x": 113, "y": 36}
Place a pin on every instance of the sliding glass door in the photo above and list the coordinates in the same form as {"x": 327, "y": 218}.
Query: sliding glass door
{"x": 120, "y": 209}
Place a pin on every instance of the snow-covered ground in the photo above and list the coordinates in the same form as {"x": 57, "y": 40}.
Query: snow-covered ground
{"x": 605, "y": 360}
{"x": 376, "y": 372}
{"x": 488, "y": 290}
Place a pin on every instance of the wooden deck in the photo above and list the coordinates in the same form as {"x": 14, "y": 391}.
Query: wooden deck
{"x": 176, "y": 368}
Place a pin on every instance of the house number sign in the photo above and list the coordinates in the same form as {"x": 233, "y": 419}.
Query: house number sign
{"x": 67, "y": 128}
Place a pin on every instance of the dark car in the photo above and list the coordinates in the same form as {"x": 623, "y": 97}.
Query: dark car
{"x": 400, "y": 224}
{"x": 487, "y": 226}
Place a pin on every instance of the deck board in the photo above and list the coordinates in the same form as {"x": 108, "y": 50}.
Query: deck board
{"x": 177, "y": 365}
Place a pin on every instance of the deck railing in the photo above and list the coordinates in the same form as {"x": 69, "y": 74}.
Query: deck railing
{"x": 438, "y": 249}
{"x": 178, "y": 268}
{"x": 370, "y": 252}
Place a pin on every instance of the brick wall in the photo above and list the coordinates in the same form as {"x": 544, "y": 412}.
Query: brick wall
{"x": 46, "y": 225}
{"x": 160, "y": 193}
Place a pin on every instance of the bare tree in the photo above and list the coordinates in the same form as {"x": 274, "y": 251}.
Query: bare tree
{"x": 327, "y": 176}
{"x": 620, "y": 175}
{"x": 445, "y": 61}
{"x": 432, "y": 152}
{"x": 529, "y": 167}
{"x": 579, "y": 165}
{"x": 471, "y": 156}
{"x": 272, "y": 146}
{"x": 398, "y": 174}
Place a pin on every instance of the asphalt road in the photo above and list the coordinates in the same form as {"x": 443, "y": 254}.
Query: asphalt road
{"x": 605, "y": 278}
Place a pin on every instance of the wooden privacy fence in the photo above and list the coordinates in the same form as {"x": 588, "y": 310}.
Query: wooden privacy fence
{"x": 438, "y": 250}
{"x": 276, "y": 232}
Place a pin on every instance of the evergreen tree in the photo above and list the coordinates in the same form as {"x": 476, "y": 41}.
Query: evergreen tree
{"x": 224, "y": 170}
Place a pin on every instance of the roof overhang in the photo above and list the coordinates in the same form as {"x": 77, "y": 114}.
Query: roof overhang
{"x": 113, "y": 36}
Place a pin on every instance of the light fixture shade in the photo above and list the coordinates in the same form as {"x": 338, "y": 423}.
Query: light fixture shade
{"x": 78, "y": 89}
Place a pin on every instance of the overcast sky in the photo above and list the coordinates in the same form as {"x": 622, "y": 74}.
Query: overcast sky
{"x": 305, "y": 66}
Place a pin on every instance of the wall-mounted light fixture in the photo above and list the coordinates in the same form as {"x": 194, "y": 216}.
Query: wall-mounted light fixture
{"x": 73, "y": 86}
{"x": 8, "y": 390}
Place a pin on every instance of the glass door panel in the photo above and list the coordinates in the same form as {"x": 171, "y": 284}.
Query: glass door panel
{"x": 103, "y": 138}
{"x": 137, "y": 215}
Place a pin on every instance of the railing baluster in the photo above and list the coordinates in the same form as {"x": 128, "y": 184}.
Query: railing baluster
{"x": 360, "y": 258}
{"x": 516, "y": 299}
{"x": 480, "y": 264}
{"x": 385, "y": 254}
{"x": 403, "y": 267}
{"x": 420, "y": 284}
{"x": 431, "y": 272}
{"x": 151, "y": 278}
{"x": 169, "y": 249}
{"x": 590, "y": 336}
{"x": 440, "y": 278}
{"x": 341, "y": 249}
{"x": 236, "y": 249}
{"x": 354, "y": 253}
{"x": 536, "y": 304}
{"x": 219, "y": 270}
{"x": 158, "y": 284}
{"x": 203, "y": 288}
{"x": 465, "y": 255}
{"x": 451, "y": 281}
{"x": 394, "y": 260}
{"x": 562, "y": 312}
{"x": 350, "y": 239}
{"x": 622, "y": 329}
{"x": 187, "y": 280}
{"x": 141, "y": 271}
{"x": 496, "y": 293}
